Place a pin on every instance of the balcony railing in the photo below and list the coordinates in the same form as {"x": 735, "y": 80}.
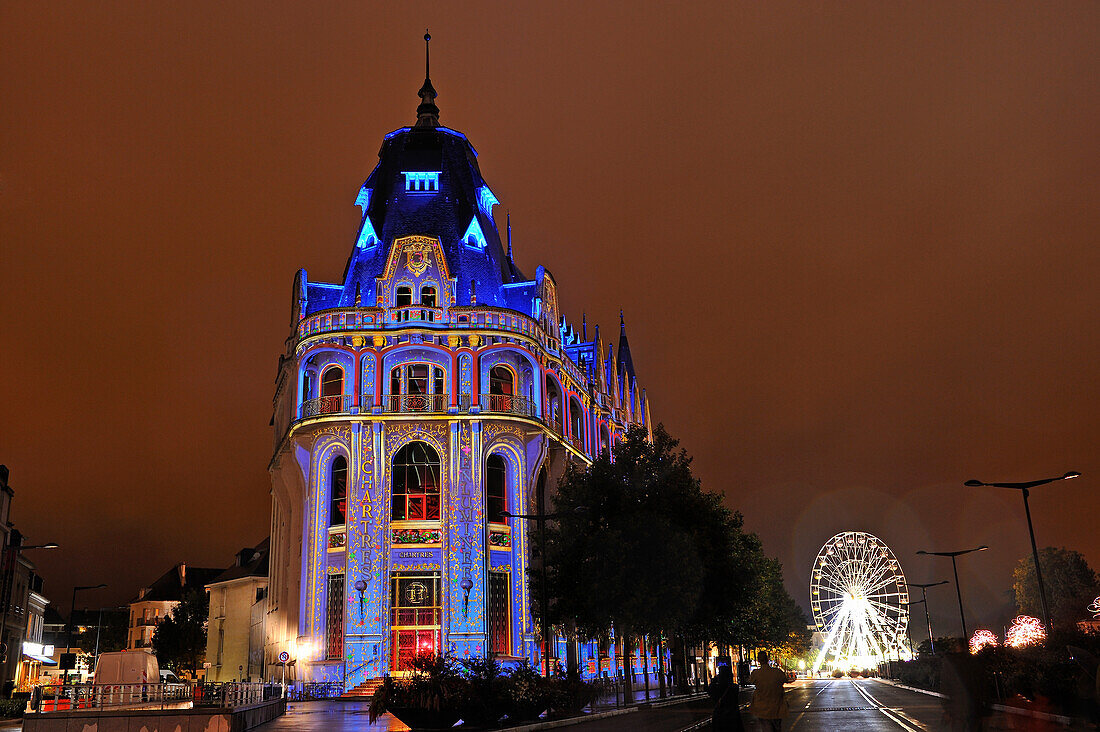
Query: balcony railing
{"x": 421, "y": 313}
{"x": 402, "y": 403}
{"x": 577, "y": 442}
{"x": 508, "y": 404}
{"x": 327, "y": 405}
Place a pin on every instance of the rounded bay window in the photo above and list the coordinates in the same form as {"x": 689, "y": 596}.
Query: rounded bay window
{"x": 414, "y": 478}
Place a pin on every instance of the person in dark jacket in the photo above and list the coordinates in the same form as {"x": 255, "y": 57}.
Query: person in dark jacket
{"x": 725, "y": 692}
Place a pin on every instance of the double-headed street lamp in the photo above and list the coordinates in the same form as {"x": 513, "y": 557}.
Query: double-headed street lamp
{"x": 927, "y": 616}
{"x": 542, "y": 518}
{"x": 1025, "y": 489}
{"x": 955, "y": 567}
{"x": 69, "y": 631}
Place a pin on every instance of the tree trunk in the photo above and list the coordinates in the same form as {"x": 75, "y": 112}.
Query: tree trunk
{"x": 628, "y": 671}
{"x": 645, "y": 664}
{"x": 661, "y": 667}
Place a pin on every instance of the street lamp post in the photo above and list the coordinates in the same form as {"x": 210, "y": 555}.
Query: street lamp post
{"x": 955, "y": 568}
{"x": 542, "y": 518}
{"x": 927, "y": 615}
{"x": 69, "y": 630}
{"x": 1024, "y": 488}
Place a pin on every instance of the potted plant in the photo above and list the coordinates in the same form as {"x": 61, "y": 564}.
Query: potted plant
{"x": 430, "y": 698}
{"x": 486, "y": 687}
{"x": 526, "y": 694}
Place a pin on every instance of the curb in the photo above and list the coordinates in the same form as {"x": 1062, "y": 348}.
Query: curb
{"x": 1045, "y": 716}
{"x": 568, "y": 721}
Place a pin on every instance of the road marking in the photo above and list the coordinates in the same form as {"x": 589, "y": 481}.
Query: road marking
{"x": 899, "y": 718}
{"x": 805, "y": 708}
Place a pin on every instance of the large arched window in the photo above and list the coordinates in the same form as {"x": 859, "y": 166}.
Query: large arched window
{"x": 496, "y": 489}
{"x": 338, "y": 492}
{"x": 403, "y": 297}
{"x": 576, "y": 423}
{"x": 427, "y": 296}
{"x": 332, "y": 390}
{"x": 414, "y": 476}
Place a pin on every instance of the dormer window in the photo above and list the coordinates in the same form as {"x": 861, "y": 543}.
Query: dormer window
{"x": 419, "y": 182}
{"x": 427, "y": 297}
{"x": 403, "y": 297}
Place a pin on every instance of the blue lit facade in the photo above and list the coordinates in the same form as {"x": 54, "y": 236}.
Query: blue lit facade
{"x": 432, "y": 388}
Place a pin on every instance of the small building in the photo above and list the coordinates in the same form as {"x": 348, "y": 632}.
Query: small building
{"x": 156, "y": 602}
{"x": 235, "y": 627}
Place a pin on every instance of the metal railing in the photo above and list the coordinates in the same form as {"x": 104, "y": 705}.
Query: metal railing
{"x": 327, "y": 405}
{"x": 402, "y": 403}
{"x": 422, "y": 313}
{"x": 508, "y": 404}
{"x": 70, "y": 697}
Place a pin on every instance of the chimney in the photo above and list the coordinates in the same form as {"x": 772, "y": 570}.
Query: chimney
{"x": 183, "y": 573}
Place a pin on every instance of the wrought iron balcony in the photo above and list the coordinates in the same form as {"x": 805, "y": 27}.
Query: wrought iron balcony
{"x": 326, "y": 405}
{"x": 405, "y": 403}
{"x": 508, "y": 404}
{"x": 577, "y": 442}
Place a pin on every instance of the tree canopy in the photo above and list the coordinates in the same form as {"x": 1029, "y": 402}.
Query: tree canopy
{"x": 1069, "y": 580}
{"x": 180, "y": 639}
{"x": 638, "y": 545}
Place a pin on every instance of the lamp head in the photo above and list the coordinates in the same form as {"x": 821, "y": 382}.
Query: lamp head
{"x": 922, "y": 552}
{"x": 973, "y": 483}
{"x": 1071, "y": 474}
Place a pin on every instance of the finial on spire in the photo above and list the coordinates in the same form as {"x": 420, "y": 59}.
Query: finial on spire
{"x": 622, "y": 323}
{"x": 584, "y": 327}
{"x": 427, "y": 114}
{"x": 509, "y": 235}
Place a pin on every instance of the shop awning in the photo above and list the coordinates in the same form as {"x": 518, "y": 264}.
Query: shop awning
{"x": 44, "y": 660}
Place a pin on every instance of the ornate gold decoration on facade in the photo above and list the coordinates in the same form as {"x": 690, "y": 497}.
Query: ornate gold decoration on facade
{"x": 379, "y": 341}
{"x": 453, "y": 341}
{"x": 418, "y": 257}
{"x": 475, "y": 340}
{"x": 358, "y": 341}
{"x": 492, "y": 430}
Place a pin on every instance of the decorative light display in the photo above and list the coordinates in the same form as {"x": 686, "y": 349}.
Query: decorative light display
{"x": 1025, "y": 631}
{"x": 1094, "y": 608}
{"x": 860, "y": 602}
{"x": 982, "y": 639}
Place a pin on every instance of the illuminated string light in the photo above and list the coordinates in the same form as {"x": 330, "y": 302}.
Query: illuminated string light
{"x": 1025, "y": 631}
{"x": 1094, "y": 608}
{"x": 982, "y": 639}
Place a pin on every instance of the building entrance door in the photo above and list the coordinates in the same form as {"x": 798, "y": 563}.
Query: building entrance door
{"x": 416, "y": 616}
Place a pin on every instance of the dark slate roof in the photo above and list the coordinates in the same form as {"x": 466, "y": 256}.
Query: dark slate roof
{"x": 168, "y": 586}
{"x": 446, "y": 214}
{"x": 253, "y": 564}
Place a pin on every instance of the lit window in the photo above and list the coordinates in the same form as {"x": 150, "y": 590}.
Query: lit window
{"x": 415, "y": 477}
{"x": 421, "y": 182}
{"x": 338, "y": 492}
{"x": 496, "y": 483}
{"x": 403, "y": 297}
{"x": 427, "y": 297}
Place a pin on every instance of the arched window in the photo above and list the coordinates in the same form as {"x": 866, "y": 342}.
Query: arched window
{"x": 502, "y": 389}
{"x": 418, "y": 387}
{"x": 414, "y": 476}
{"x": 332, "y": 390}
{"x": 427, "y": 296}
{"x": 496, "y": 488}
{"x": 605, "y": 438}
{"x": 338, "y": 492}
{"x": 403, "y": 297}
{"x": 554, "y": 415}
{"x": 576, "y": 423}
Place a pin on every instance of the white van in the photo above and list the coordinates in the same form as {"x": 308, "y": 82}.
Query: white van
{"x": 126, "y": 667}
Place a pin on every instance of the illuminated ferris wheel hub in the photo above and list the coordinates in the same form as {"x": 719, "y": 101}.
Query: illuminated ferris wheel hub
{"x": 860, "y": 603}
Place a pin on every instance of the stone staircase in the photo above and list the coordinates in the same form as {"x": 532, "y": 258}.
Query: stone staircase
{"x": 364, "y": 691}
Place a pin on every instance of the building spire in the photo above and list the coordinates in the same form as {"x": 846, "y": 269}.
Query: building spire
{"x": 510, "y": 235}
{"x": 427, "y": 114}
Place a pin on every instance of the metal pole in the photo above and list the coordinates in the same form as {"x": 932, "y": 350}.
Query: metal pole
{"x": 1038, "y": 569}
{"x": 69, "y": 636}
{"x": 928, "y": 619}
{"x": 962, "y": 616}
{"x": 545, "y": 598}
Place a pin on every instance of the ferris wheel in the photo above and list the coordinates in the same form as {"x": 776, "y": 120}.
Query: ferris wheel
{"x": 860, "y": 602}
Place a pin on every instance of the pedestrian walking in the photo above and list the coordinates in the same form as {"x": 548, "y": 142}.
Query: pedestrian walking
{"x": 725, "y": 692}
{"x": 768, "y": 705}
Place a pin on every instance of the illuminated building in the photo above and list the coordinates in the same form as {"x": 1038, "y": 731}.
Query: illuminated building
{"x": 432, "y": 388}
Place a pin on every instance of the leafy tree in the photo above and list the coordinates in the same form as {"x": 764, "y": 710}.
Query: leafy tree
{"x": 1069, "y": 580}
{"x": 180, "y": 639}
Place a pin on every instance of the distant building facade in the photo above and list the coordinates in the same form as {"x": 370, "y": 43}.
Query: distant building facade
{"x": 432, "y": 390}
{"x": 235, "y": 625}
{"x": 156, "y": 602}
